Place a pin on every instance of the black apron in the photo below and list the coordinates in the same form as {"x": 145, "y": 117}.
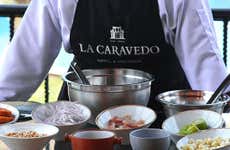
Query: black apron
{"x": 126, "y": 34}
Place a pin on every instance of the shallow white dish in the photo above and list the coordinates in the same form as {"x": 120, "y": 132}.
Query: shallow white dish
{"x": 137, "y": 112}
{"x": 174, "y": 123}
{"x": 211, "y": 133}
{"x": 33, "y": 143}
{"x": 14, "y": 111}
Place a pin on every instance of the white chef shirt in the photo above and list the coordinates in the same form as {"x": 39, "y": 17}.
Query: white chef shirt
{"x": 188, "y": 27}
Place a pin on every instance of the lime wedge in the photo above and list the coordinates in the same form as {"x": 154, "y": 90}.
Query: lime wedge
{"x": 183, "y": 130}
{"x": 201, "y": 124}
{"x": 192, "y": 129}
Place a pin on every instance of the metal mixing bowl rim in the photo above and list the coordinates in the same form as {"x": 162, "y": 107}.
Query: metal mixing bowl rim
{"x": 159, "y": 98}
{"x": 200, "y": 105}
{"x": 91, "y": 129}
{"x": 151, "y": 79}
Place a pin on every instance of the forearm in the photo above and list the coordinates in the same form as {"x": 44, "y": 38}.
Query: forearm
{"x": 196, "y": 47}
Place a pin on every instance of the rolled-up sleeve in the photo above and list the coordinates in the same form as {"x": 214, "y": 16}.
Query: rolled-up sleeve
{"x": 188, "y": 26}
{"x": 32, "y": 51}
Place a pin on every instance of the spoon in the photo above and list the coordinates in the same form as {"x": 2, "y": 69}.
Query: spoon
{"x": 219, "y": 90}
{"x": 79, "y": 73}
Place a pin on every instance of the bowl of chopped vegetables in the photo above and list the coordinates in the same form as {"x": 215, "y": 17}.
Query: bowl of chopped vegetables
{"x": 125, "y": 118}
{"x": 67, "y": 116}
{"x": 191, "y": 121}
{"x": 8, "y": 114}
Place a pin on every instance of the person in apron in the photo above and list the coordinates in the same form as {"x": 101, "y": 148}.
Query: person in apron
{"x": 115, "y": 34}
{"x": 126, "y": 34}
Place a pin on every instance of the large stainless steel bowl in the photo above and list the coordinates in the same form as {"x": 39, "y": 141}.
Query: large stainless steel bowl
{"x": 109, "y": 87}
{"x": 181, "y": 100}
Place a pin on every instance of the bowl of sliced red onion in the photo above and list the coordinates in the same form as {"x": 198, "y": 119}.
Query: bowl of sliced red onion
{"x": 67, "y": 116}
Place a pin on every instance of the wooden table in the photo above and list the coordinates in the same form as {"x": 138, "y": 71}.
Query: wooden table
{"x": 67, "y": 146}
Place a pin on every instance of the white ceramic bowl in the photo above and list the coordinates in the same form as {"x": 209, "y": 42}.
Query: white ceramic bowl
{"x": 211, "y": 133}
{"x": 137, "y": 112}
{"x": 62, "y": 110}
{"x": 14, "y": 111}
{"x": 33, "y": 143}
{"x": 174, "y": 123}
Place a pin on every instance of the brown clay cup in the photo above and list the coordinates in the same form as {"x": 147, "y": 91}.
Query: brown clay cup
{"x": 93, "y": 139}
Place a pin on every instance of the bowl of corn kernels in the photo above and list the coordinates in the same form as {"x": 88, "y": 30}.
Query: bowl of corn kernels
{"x": 211, "y": 139}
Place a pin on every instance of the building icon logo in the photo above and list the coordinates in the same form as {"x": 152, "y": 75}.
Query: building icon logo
{"x": 117, "y": 33}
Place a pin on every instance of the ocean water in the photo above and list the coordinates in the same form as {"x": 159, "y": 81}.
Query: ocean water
{"x": 61, "y": 63}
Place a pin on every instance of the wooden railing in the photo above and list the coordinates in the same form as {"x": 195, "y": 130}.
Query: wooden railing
{"x": 13, "y": 11}
{"x": 223, "y": 15}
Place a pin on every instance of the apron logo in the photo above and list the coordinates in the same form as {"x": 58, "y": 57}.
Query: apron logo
{"x": 117, "y": 33}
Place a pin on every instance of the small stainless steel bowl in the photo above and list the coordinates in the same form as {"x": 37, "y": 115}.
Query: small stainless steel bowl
{"x": 181, "y": 100}
{"x": 109, "y": 87}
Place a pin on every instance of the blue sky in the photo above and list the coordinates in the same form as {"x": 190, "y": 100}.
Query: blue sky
{"x": 220, "y": 4}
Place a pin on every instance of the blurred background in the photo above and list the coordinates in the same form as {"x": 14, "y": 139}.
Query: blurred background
{"x": 49, "y": 89}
